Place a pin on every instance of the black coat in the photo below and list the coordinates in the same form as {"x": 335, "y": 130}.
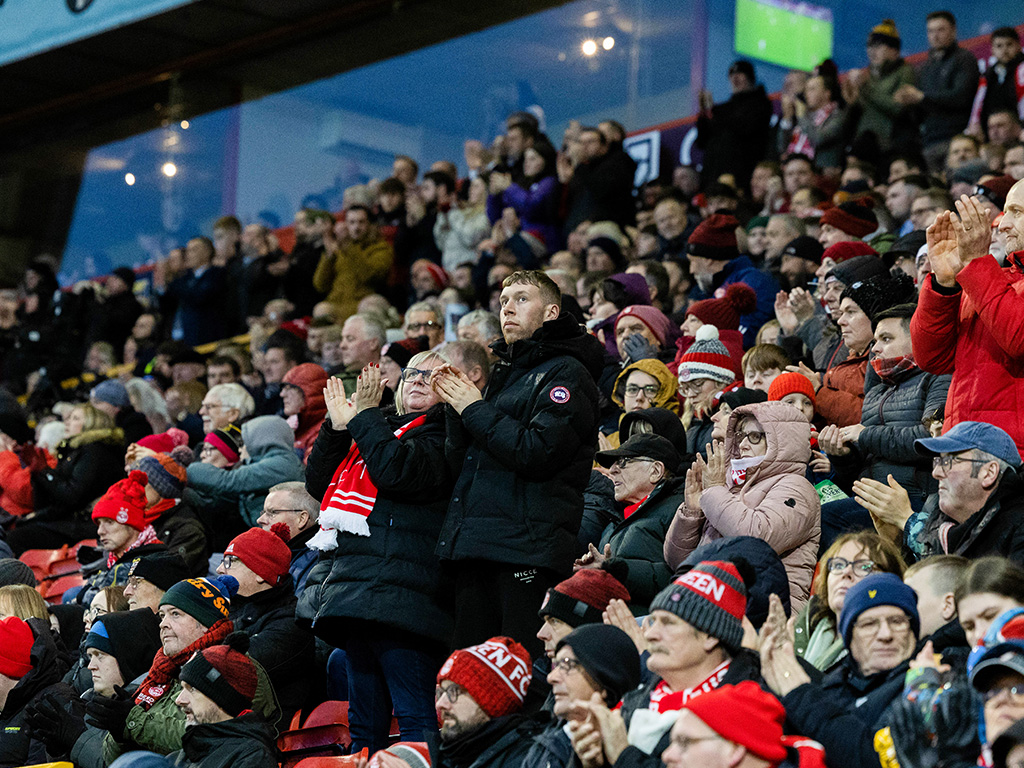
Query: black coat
{"x": 1000, "y": 96}
{"x": 200, "y": 301}
{"x": 391, "y": 577}
{"x": 181, "y": 530}
{"x": 525, "y": 452}
{"x": 602, "y": 190}
{"x": 82, "y": 474}
{"x": 500, "y": 743}
{"x": 285, "y": 650}
{"x": 134, "y": 425}
{"x": 735, "y": 135}
{"x": 639, "y": 542}
{"x": 243, "y": 742}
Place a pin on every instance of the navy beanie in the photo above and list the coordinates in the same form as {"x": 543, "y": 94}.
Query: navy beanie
{"x": 877, "y": 589}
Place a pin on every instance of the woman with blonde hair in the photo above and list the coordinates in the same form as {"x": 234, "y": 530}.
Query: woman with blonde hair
{"x": 22, "y": 601}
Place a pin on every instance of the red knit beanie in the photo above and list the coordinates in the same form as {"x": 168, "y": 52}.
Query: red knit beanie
{"x": 16, "y": 641}
{"x": 790, "y": 383}
{"x": 652, "y": 317}
{"x": 744, "y": 714}
{"x": 495, "y": 673}
{"x": 224, "y": 674}
{"x": 724, "y": 313}
{"x": 706, "y": 358}
{"x": 840, "y": 252}
{"x": 715, "y": 238}
{"x": 265, "y": 553}
{"x": 583, "y": 597}
{"x": 165, "y": 442}
{"x": 855, "y": 218}
{"x": 125, "y": 501}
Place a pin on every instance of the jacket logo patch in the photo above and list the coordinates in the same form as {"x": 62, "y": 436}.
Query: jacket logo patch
{"x": 790, "y": 502}
{"x": 560, "y": 395}
{"x": 872, "y": 593}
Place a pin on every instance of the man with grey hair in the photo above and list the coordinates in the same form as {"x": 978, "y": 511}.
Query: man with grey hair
{"x": 424, "y": 319}
{"x": 362, "y": 337}
{"x": 470, "y": 358}
{"x": 226, "y": 404}
{"x": 289, "y": 503}
{"x": 482, "y": 327}
{"x": 782, "y": 229}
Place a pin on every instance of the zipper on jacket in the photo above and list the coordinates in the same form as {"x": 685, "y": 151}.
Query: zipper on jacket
{"x": 881, "y": 403}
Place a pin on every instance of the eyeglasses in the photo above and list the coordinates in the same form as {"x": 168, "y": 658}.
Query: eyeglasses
{"x": 625, "y": 462}
{"x": 228, "y": 561}
{"x": 566, "y": 666}
{"x": 452, "y": 692}
{"x": 92, "y": 612}
{"x": 946, "y": 461}
{"x": 211, "y": 406}
{"x": 754, "y": 438}
{"x": 422, "y": 326}
{"x": 1015, "y": 692}
{"x": 687, "y": 388}
{"x": 409, "y": 375}
{"x": 273, "y": 512}
{"x": 650, "y": 390}
{"x": 861, "y": 568}
{"x": 898, "y": 625}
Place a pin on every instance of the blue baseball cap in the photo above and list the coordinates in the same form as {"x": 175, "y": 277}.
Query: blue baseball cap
{"x": 972, "y": 434}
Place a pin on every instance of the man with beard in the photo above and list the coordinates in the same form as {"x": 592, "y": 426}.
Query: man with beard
{"x": 800, "y": 260}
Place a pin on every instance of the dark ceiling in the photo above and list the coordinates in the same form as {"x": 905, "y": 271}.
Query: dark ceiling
{"x": 187, "y": 61}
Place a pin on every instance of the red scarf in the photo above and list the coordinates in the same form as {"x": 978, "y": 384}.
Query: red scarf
{"x": 146, "y": 536}
{"x": 1017, "y": 75}
{"x": 892, "y": 369}
{"x": 664, "y": 699}
{"x": 631, "y": 508}
{"x": 800, "y": 144}
{"x": 350, "y": 497}
{"x": 154, "y": 512}
{"x": 165, "y": 669}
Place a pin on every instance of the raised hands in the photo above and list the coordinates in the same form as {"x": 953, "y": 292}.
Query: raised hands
{"x": 712, "y": 470}
{"x": 454, "y": 387}
{"x": 592, "y": 558}
{"x": 369, "y": 388}
{"x": 617, "y": 614}
{"x": 339, "y": 409}
{"x": 813, "y": 376}
{"x": 607, "y": 723}
{"x": 779, "y": 665}
{"x": 694, "y": 487}
{"x": 973, "y": 229}
{"x": 887, "y": 502}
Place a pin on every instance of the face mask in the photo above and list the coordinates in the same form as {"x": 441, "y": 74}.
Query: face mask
{"x": 738, "y": 468}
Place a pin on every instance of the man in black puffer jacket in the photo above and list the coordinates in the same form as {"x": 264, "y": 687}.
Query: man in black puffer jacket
{"x": 524, "y": 451}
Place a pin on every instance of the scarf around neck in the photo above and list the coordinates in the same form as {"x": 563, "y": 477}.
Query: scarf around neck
{"x": 146, "y": 536}
{"x": 164, "y": 670}
{"x": 894, "y": 369}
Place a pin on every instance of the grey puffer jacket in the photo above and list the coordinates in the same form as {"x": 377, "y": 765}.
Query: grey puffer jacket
{"x": 891, "y": 417}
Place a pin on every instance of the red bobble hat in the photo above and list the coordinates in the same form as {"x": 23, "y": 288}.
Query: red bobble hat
{"x": 16, "y": 641}
{"x": 165, "y": 442}
{"x": 706, "y": 358}
{"x": 265, "y": 553}
{"x": 744, "y": 714}
{"x": 715, "y": 238}
{"x": 125, "y": 501}
{"x": 495, "y": 673}
{"x": 724, "y": 313}
{"x": 855, "y": 218}
{"x": 789, "y": 383}
{"x": 583, "y": 597}
{"x": 840, "y": 252}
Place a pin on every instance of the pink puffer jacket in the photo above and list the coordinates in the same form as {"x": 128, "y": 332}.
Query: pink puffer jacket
{"x": 777, "y": 503}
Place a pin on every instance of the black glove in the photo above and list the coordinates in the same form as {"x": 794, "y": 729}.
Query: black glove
{"x": 639, "y": 348}
{"x": 915, "y": 745}
{"x": 956, "y": 726}
{"x": 57, "y": 723}
{"x": 110, "y": 714}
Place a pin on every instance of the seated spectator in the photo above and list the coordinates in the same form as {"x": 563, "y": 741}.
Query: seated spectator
{"x": 848, "y": 711}
{"x": 642, "y": 385}
{"x": 394, "y": 357}
{"x": 264, "y": 609}
{"x": 480, "y": 326}
{"x": 641, "y": 332}
{"x": 397, "y": 461}
{"x": 989, "y": 588}
{"x": 149, "y": 577}
{"x": 847, "y": 222}
{"x": 801, "y": 259}
{"x": 424, "y": 319}
{"x": 22, "y": 601}
{"x": 470, "y": 358}
{"x": 595, "y": 659}
{"x": 193, "y": 617}
{"x": 19, "y": 455}
{"x": 225, "y": 404}
{"x": 715, "y": 262}
{"x": 581, "y": 599}
{"x": 174, "y": 520}
{"x": 222, "y": 448}
{"x": 123, "y": 532}
{"x": 289, "y": 503}
{"x": 613, "y": 295}
{"x": 644, "y": 473}
{"x": 222, "y": 369}
{"x": 218, "y": 692}
{"x": 303, "y": 396}
{"x": 111, "y": 397}
{"x": 184, "y": 401}
{"x": 479, "y": 693}
{"x": 151, "y": 445}
{"x": 935, "y": 580}
{"x": 762, "y": 364}
{"x": 270, "y": 459}
{"x": 693, "y": 636}
{"x": 89, "y": 461}
{"x": 15, "y": 572}
{"x": 705, "y": 370}
{"x": 362, "y": 338}
{"x": 724, "y": 314}
{"x": 851, "y": 557}
{"x": 763, "y": 492}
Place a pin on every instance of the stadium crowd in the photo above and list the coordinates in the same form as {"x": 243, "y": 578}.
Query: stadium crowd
{"x": 722, "y": 471}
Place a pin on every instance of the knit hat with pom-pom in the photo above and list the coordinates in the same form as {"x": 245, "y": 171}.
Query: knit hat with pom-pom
{"x": 265, "y": 553}
{"x": 724, "y": 313}
{"x": 205, "y": 600}
{"x": 124, "y": 502}
{"x": 224, "y": 674}
{"x": 715, "y": 238}
{"x": 166, "y": 471}
{"x": 165, "y": 442}
{"x": 707, "y": 358}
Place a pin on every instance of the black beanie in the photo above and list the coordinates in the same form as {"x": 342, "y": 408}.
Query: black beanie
{"x": 131, "y": 637}
{"x": 804, "y": 247}
{"x": 877, "y": 294}
{"x": 608, "y": 655}
{"x": 161, "y": 569}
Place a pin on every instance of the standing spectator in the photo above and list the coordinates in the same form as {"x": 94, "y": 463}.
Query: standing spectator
{"x": 998, "y": 89}
{"x": 311, "y": 227}
{"x": 534, "y": 197}
{"x": 461, "y": 228}
{"x": 946, "y": 85}
{"x": 199, "y": 294}
{"x": 116, "y": 309}
{"x": 525, "y": 453}
{"x": 600, "y": 187}
{"x": 289, "y": 503}
{"x": 815, "y": 127}
{"x": 355, "y": 267}
{"x": 734, "y": 134}
{"x": 970, "y": 314}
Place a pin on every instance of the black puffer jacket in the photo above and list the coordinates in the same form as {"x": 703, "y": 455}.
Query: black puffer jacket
{"x": 180, "y": 529}
{"x": 285, "y": 650}
{"x": 525, "y": 452}
{"x": 500, "y": 743}
{"x": 891, "y": 415}
{"x": 639, "y": 542}
{"x": 242, "y": 742}
{"x": 392, "y": 576}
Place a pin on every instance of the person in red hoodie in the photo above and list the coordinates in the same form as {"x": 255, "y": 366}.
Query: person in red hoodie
{"x": 304, "y": 406}
{"x": 970, "y": 317}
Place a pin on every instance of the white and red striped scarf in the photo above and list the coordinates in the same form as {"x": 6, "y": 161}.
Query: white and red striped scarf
{"x": 800, "y": 143}
{"x": 146, "y": 536}
{"x": 350, "y": 497}
{"x": 979, "y": 97}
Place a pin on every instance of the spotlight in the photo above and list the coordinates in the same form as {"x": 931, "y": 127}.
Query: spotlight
{"x": 184, "y": 123}
{"x": 129, "y": 179}
{"x": 169, "y": 169}
{"x": 589, "y": 47}
{"x": 608, "y": 43}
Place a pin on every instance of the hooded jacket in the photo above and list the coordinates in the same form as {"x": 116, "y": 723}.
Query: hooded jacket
{"x": 525, "y": 451}
{"x": 246, "y": 741}
{"x": 311, "y": 379}
{"x": 272, "y": 460}
{"x": 776, "y": 503}
{"x": 975, "y": 331}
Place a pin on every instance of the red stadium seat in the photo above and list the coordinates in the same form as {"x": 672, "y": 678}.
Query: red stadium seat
{"x": 324, "y": 734}
{"x": 55, "y": 589}
{"x": 333, "y": 761}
